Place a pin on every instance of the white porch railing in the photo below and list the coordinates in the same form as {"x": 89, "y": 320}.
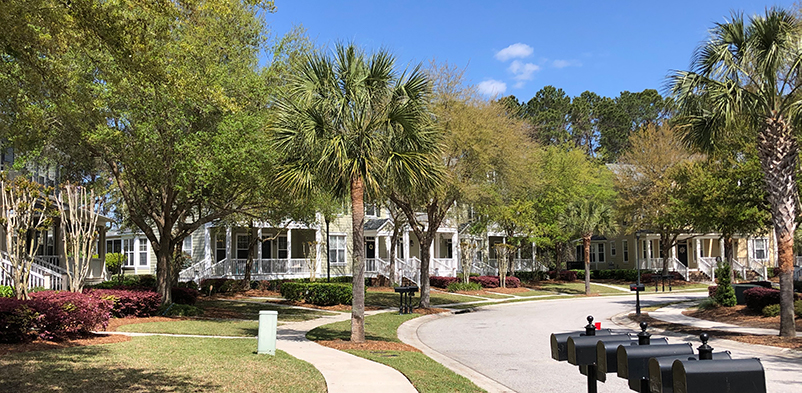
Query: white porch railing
{"x": 50, "y": 277}
{"x": 409, "y": 269}
{"x": 707, "y": 265}
{"x": 263, "y": 269}
{"x": 674, "y": 265}
{"x": 798, "y": 261}
{"x": 798, "y": 273}
{"x": 758, "y": 266}
{"x": 740, "y": 267}
{"x": 442, "y": 267}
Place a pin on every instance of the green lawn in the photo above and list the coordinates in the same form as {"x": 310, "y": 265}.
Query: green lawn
{"x": 390, "y": 299}
{"x": 577, "y": 288}
{"x": 425, "y": 374}
{"x": 159, "y": 364}
{"x": 534, "y": 293}
{"x": 250, "y": 310}
{"x": 197, "y": 327}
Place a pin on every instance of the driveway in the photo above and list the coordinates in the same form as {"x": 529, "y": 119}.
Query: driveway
{"x": 510, "y": 343}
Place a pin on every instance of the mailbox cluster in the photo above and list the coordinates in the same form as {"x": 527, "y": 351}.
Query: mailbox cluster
{"x": 654, "y": 365}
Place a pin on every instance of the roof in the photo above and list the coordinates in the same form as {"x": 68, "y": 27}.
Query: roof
{"x": 375, "y": 224}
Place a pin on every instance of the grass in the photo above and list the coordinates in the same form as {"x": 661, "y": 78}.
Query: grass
{"x": 250, "y": 310}
{"x": 390, "y": 299}
{"x": 159, "y": 364}
{"x": 577, "y": 288}
{"x": 200, "y": 327}
{"x": 534, "y": 293}
{"x": 425, "y": 374}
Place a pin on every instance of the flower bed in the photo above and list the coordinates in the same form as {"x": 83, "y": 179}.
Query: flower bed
{"x": 52, "y": 315}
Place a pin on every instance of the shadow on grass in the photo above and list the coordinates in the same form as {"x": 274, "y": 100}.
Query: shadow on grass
{"x": 73, "y": 371}
{"x": 325, "y": 333}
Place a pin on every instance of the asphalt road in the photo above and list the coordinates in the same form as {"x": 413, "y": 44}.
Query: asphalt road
{"x": 510, "y": 343}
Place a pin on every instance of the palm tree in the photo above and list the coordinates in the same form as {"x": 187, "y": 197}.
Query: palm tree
{"x": 746, "y": 79}
{"x": 347, "y": 123}
{"x": 585, "y": 218}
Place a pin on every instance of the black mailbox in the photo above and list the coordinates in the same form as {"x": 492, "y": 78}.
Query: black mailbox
{"x": 559, "y": 342}
{"x": 633, "y": 361}
{"x": 607, "y": 356}
{"x": 637, "y": 287}
{"x": 719, "y": 376}
{"x": 582, "y": 350}
{"x": 660, "y": 377}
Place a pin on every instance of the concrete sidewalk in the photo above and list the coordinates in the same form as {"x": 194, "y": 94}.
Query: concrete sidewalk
{"x": 344, "y": 373}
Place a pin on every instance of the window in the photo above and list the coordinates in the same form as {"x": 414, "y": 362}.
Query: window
{"x": 187, "y": 246}
{"x": 337, "y": 249}
{"x": 143, "y": 252}
{"x": 113, "y": 246}
{"x": 220, "y": 246}
{"x": 449, "y": 248}
{"x": 625, "y": 250}
{"x": 370, "y": 210}
{"x": 612, "y": 248}
{"x": 128, "y": 250}
{"x": 760, "y": 247}
{"x": 282, "y": 247}
{"x": 600, "y": 251}
{"x": 645, "y": 249}
{"x": 242, "y": 246}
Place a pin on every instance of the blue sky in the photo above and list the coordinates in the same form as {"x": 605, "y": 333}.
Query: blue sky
{"x": 517, "y": 47}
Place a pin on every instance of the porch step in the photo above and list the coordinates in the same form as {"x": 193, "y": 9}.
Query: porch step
{"x": 698, "y": 276}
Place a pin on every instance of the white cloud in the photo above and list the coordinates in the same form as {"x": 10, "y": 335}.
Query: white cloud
{"x": 514, "y": 51}
{"x": 492, "y": 87}
{"x": 565, "y": 63}
{"x": 523, "y": 71}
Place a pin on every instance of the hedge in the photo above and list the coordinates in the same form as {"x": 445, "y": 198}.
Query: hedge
{"x": 649, "y": 277}
{"x": 128, "y": 303}
{"x": 51, "y": 315}
{"x": 442, "y": 282}
{"x": 531, "y": 276}
{"x": 460, "y": 286}
{"x": 185, "y": 295}
{"x": 758, "y": 298}
{"x": 318, "y": 293}
{"x": 492, "y": 281}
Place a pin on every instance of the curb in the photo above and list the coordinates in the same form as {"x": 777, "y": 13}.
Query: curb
{"x": 408, "y": 334}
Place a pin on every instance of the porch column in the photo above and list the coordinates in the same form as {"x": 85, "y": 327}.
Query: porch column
{"x": 673, "y": 252}
{"x": 773, "y": 257}
{"x": 321, "y": 249}
{"x": 289, "y": 245}
{"x": 534, "y": 261}
{"x": 456, "y": 255}
{"x": 259, "y": 243}
{"x": 721, "y": 248}
{"x": 58, "y": 242}
{"x": 101, "y": 251}
{"x": 648, "y": 252}
{"x": 697, "y": 251}
{"x": 432, "y": 255}
{"x": 387, "y": 247}
{"x": 228, "y": 243}
{"x": 405, "y": 238}
{"x": 207, "y": 250}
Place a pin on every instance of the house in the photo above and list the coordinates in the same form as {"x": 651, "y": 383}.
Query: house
{"x": 49, "y": 266}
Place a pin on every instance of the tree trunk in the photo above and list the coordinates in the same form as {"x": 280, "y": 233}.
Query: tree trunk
{"x": 728, "y": 255}
{"x": 778, "y": 152}
{"x": 164, "y": 269}
{"x": 252, "y": 242}
{"x": 425, "y": 243}
{"x": 393, "y": 246}
{"x": 358, "y": 265}
{"x": 665, "y": 243}
{"x": 586, "y": 248}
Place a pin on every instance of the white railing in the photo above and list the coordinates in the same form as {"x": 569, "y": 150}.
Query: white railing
{"x": 39, "y": 276}
{"x": 798, "y": 261}
{"x": 481, "y": 268}
{"x": 442, "y": 267}
{"x": 740, "y": 267}
{"x": 674, "y": 265}
{"x": 263, "y": 269}
{"x": 758, "y": 266}
{"x": 798, "y": 273}
{"x": 708, "y": 266}
{"x": 193, "y": 272}
{"x": 409, "y": 269}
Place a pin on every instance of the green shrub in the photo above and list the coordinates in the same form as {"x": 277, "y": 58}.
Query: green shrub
{"x": 798, "y": 286}
{"x": 293, "y": 291}
{"x": 459, "y": 286}
{"x": 725, "y": 294}
{"x": 772, "y": 310}
{"x": 798, "y": 308}
{"x": 6, "y": 291}
{"x": 328, "y": 294}
{"x": 114, "y": 262}
{"x": 708, "y": 303}
{"x": 180, "y": 310}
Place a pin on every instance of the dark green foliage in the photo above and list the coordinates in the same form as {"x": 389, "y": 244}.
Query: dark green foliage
{"x": 531, "y": 276}
{"x": 180, "y": 310}
{"x": 611, "y": 274}
{"x": 188, "y": 284}
{"x": 725, "y": 294}
{"x": 460, "y": 286}
{"x": 185, "y": 295}
{"x": 317, "y": 293}
{"x": 772, "y": 310}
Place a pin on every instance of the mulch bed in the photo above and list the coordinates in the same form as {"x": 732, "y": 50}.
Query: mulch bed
{"x": 369, "y": 345}
{"x": 739, "y": 315}
{"x": 775, "y": 341}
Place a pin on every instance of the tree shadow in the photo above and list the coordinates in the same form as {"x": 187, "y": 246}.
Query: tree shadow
{"x": 73, "y": 371}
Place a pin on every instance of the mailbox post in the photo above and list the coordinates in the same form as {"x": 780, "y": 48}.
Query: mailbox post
{"x": 633, "y": 362}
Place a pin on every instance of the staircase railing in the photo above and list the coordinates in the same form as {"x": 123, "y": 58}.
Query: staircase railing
{"x": 739, "y": 267}
{"x": 708, "y": 266}
{"x": 758, "y": 266}
{"x": 674, "y": 265}
{"x": 409, "y": 269}
{"x": 46, "y": 276}
{"x": 442, "y": 267}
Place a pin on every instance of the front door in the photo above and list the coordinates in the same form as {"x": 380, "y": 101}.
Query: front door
{"x": 370, "y": 248}
{"x": 682, "y": 252}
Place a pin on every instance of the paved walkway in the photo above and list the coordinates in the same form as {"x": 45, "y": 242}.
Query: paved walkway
{"x": 673, "y": 314}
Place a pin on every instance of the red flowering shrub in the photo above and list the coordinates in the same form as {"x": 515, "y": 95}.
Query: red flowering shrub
{"x": 67, "y": 314}
{"x": 442, "y": 282}
{"x": 757, "y": 298}
{"x": 513, "y": 282}
{"x": 567, "y": 275}
{"x": 486, "y": 281}
{"x": 17, "y": 320}
{"x": 185, "y": 295}
{"x": 125, "y": 303}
